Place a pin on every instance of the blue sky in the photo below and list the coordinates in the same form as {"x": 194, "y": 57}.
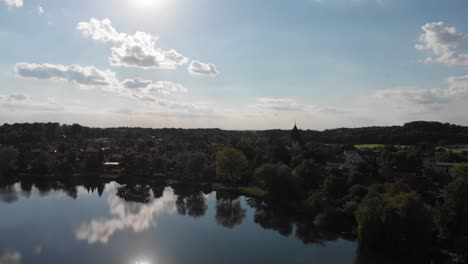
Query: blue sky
{"x": 233, "y": 64}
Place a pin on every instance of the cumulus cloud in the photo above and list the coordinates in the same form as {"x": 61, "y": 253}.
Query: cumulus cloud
{"x": 10, "y": 257}
{"x": 91, "y": 77}
{"x": 126, "y": 215}
{"x": 83, "y": 75}
{"x": 137, "y": 50}
{"x": 200, "y": 68}
{"x": 40, "y": 10}
{"x": 21, "y": 102}
{"x": 100, "y": 30}
{"x": 279, "y": 104}
{"x": 443, "y": 42}
{"x": 147, "y": 90}
{"x": 457, "y": 87}
{"x": 13, "y": 3}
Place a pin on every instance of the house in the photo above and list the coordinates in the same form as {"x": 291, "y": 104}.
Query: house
{"x": 352, "y": 159}
{"x": 112, "y": 168}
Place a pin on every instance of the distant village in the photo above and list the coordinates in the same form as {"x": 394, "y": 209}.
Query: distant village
{"x": 77, "y": 154}
{"x": 107, "y": 155}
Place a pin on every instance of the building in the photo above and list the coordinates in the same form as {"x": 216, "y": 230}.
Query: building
{"x": 296, "y": 143}
{"x": 352, "y": 159}
{"x": 295, "y": 135}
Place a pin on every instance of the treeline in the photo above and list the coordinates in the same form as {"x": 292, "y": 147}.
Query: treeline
{"x": 408, "y": 134}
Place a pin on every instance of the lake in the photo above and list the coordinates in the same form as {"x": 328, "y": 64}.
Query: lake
{"x": 110, "y": 223}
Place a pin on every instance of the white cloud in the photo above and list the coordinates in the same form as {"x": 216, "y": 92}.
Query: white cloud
{"x": 100, "y": 30}
{"x": 91, "y": 77}
{"x": 125, "y": 215}
{"x": 13, "y": 3}
{"x": 138, "y": 50}
{"x": 443, "y": 41}
{"x": 83, "y": 75}
{"x": 147, "y": 90}
{"x": 10, "y": 257}
{"x": 457, "y": 88}
{"x": 185, "y": 106}
{"x": 21, "y": 102}
{"x": 279, "y": 104}
{"x": 415, "y": 95}
{"x": 40, "y": 10}
{"x": 200, "y": 68}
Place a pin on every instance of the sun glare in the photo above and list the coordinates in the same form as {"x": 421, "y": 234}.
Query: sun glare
{"x": 146, "y": 3}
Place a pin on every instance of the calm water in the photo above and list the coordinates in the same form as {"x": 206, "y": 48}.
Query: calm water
{"x": 76, "y": 225}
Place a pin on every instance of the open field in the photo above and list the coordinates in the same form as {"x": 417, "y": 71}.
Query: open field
{"x": 457, "y": 150}
{"x": 369, "y": 146}
{"x": 377, "y": 146}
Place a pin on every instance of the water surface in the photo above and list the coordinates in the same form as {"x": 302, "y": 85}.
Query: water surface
{"x": 175, "y": 225}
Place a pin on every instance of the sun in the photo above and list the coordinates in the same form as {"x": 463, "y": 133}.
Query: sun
{"x": 146, "y": 3}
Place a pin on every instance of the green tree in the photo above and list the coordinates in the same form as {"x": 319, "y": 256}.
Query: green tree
{"x": 311, "y": 173}
{"x": 137, "y": 164}
{"x": 460, "y": 171}
{"x": 278, "y": 181}
{"x": 453, "y": 215}
{"x": 190, "y": 165}
{"x": 42, "y": 164}
{"x": 230, "y": 164}
{"x": 8, "y": 160}
{"x": 334, "y": 186}
{"x": 394, "y": 222}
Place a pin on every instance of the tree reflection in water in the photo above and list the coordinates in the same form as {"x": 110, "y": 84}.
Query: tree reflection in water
{"x": 8, "y": 193}
{"x": 229, "y": 211}
{"x": 284, "y": 221}
{"x": 190, "y": 200}
{"x": 129, "y": 213}
{"x": 134, "y": 193}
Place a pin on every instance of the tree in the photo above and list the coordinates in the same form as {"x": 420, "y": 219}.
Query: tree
{"x": 8, "y": 160}
{"x": 334, "y": 186}
{"x": 137, "y": 164}
{"x": 460, "y": 171}
{"x": 278, "y": 181}
{"x": 190, "y": 165}
{"x": 230, "y": 164}
{"x": 311, "y": 173}
{"x": 42, "y": 164}
{"x": 394, "y": 222}
{"x": 452, "y": 218}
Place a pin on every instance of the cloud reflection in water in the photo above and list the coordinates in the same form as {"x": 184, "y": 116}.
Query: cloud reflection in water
{"x": 137, "y": 217}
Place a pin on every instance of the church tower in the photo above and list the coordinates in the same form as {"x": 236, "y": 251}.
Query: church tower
{"x": 295, "y": 138}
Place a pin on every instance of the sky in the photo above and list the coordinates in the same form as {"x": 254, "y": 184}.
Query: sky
{"x": 234, "y": 64}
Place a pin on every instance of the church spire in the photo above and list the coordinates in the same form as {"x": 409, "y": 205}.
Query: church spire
{"x": 295, "y": 133}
